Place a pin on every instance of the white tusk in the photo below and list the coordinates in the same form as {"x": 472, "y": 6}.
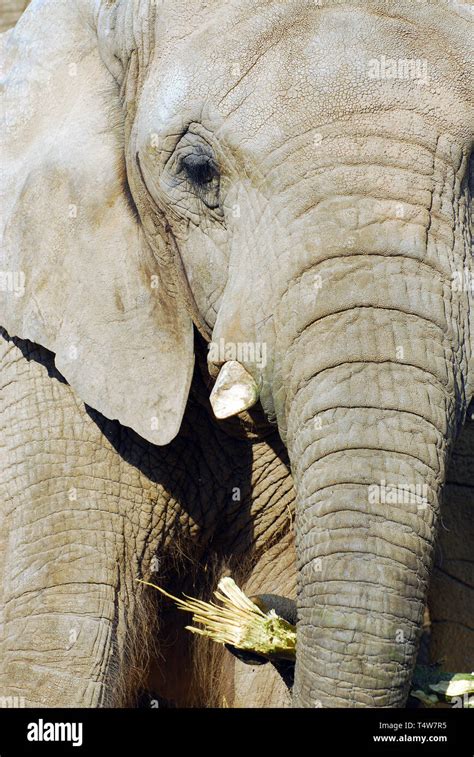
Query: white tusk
{"x": 235, "y": 390}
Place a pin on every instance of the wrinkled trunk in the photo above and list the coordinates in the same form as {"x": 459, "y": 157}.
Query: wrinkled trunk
{"x": 374, "y": 396}
{"x": 370, "y": 388}
{"x": 364, "y": 549}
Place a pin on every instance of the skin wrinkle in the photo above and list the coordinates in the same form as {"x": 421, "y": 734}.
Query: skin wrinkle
{"x": 361, "y": 582}
{"x": 341, "y": 674}
{"x": 392, "y": 414}
{"x": 362, "y": 611}
{"x": 406, "y": 527}
{"x": 321, "y": 489}
{"x": 374, "y": 517}
{"x": 312, "y": 266}
{"x": 354, "y": 515}
{"x": 340, "y": 648}
{"x": 358, "y": 681}
{"x": 390, "y": 589}
{"x": 374, "y": 407}
{"x": 324, "y": 172}
{"x": 370, "y": 130}
{"x": 375, "y": 449}
{"x": 328, "y": 138}
{"x": 378, "y": 362}
{"x": 366, "y": 307}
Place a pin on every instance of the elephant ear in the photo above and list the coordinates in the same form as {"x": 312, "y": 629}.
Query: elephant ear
{"x": 76, "y": 273}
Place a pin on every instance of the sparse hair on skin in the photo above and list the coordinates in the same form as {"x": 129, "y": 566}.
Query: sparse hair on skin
{"x": 128, "y": 672}
{"x": 183, "y": 669}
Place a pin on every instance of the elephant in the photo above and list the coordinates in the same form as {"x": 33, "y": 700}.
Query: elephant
{"x": 235, "y": 311}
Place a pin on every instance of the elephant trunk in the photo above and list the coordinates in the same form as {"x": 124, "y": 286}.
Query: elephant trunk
{"x": 373, "y": 379}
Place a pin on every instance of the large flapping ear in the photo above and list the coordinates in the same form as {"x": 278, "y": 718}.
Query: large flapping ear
{"x": 76, "y": 274}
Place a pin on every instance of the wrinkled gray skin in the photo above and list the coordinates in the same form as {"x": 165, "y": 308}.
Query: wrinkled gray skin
{"x": 331, "y": 231}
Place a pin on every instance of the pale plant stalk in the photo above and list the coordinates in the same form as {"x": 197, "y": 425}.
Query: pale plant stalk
{"x": 241, "y": 623}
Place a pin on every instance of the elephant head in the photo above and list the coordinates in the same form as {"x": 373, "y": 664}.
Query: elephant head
{"x": 291, "y": 181}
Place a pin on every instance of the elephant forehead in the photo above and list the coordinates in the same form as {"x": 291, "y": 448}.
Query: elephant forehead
{"x": 272, "y": 70}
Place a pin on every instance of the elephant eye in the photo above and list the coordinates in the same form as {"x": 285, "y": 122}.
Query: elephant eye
{"x": 201, "y": 170}
{"x": 191, "y": 180}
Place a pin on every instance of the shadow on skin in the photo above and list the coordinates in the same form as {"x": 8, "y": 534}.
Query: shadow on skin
{"x": 198, "y": 472}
